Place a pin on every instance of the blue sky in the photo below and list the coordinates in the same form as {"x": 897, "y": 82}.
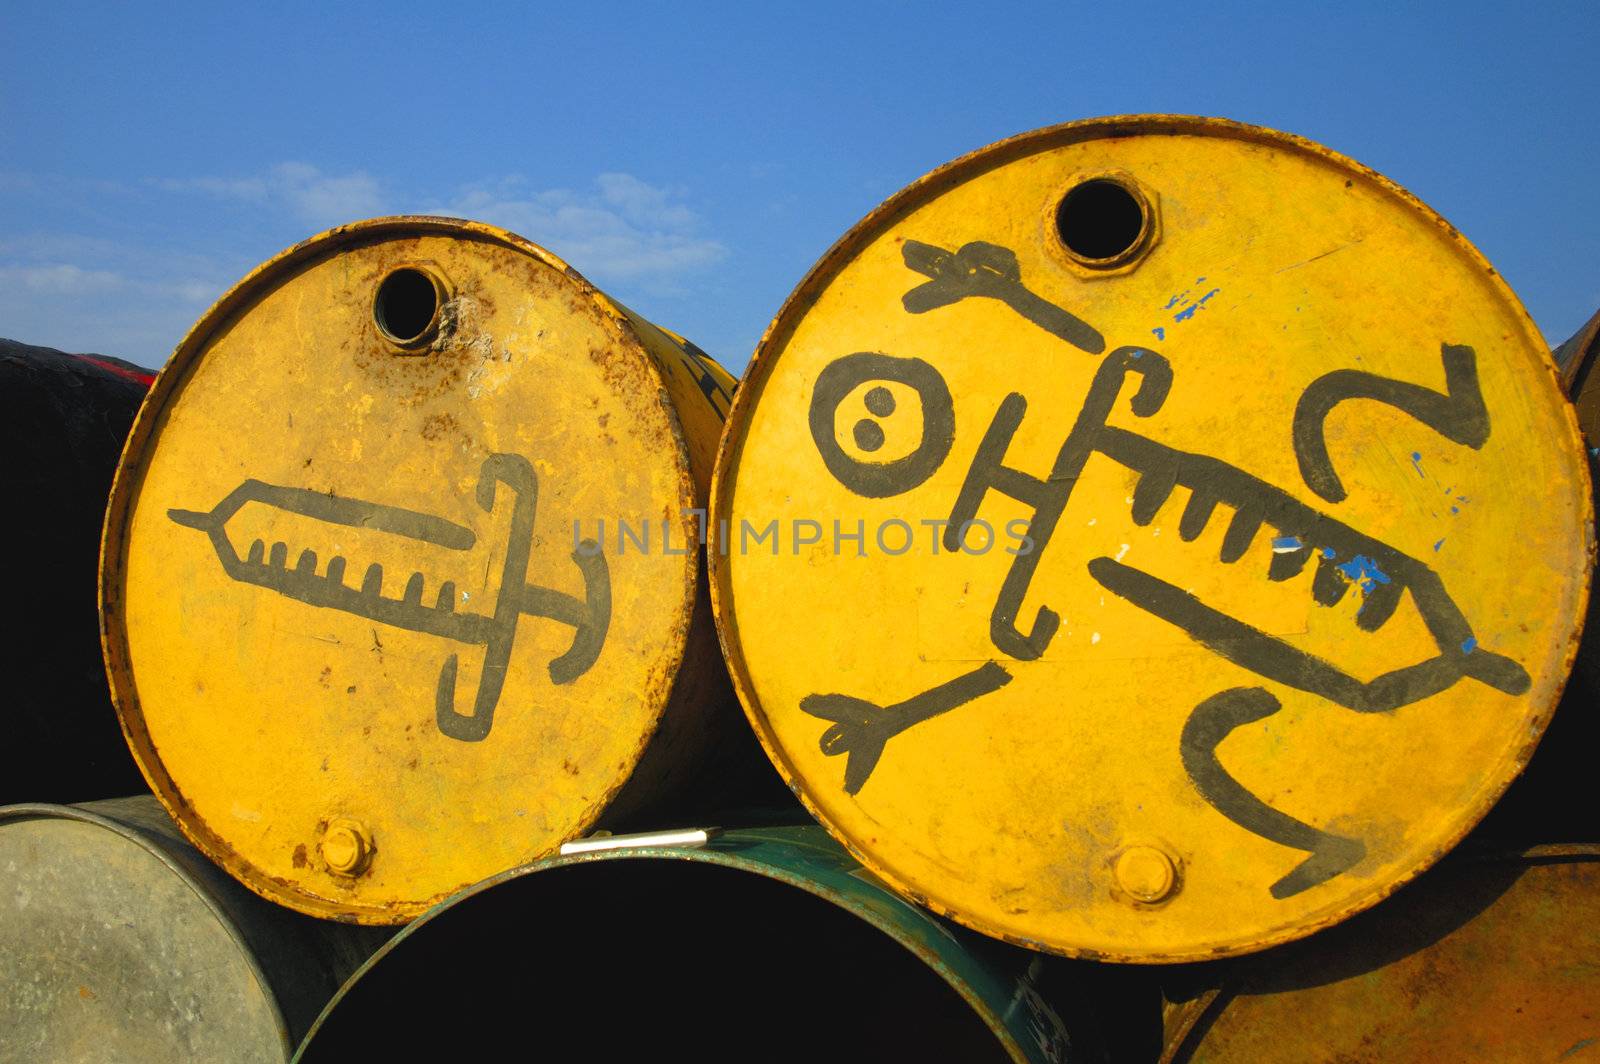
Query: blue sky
{"x": 696, "y": 159}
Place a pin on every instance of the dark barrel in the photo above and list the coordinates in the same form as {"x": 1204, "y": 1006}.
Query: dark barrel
{"x": 63, "y": 419}
{"x": 766, "y": 944}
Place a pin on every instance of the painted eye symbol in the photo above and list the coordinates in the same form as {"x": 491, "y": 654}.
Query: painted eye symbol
{"x": 867, "y": 432}
{"x": 841, "y": 379}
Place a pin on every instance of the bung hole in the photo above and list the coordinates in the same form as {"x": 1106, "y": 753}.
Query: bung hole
{"x": 406, "y": 305}
{"x": 1100, "y": 220}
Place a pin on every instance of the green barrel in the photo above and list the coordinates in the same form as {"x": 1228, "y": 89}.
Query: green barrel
{"x": 759, "y": 944}
{"x": 120, "y": 942}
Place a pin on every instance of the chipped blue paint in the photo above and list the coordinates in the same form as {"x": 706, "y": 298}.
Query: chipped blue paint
{"x": 1455, "y": 509}
{"x": 1327, "y": 552}
{"x": 1285, "y": 544}
{"x": 1469, "y": 645}
{"x": 1437, "y": 545}
{"x": 1364, "y": 571}
{"x": 1188, "y": 312}
{"x": 1161, "y": 334}
{"x": 1416, "y": 463}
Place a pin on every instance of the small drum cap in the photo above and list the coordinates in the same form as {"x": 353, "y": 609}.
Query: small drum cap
{"x": 1145, "y": 873}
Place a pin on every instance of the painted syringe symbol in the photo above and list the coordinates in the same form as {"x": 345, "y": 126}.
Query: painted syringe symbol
{"x": 589, "y": 617}
{"x": 859, "y": 729}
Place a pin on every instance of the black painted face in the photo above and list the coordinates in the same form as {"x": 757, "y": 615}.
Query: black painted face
{"x": 886, "y": 418}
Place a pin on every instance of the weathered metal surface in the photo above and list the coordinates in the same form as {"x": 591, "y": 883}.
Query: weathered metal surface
{"x": 1481, "y": 960}
{"x": 63, "y": 419}
{"x": 1540, "y": 805}
{"x": 766, "y": 944}
{"x": 1578, "y": 358}
{"x": 120, "y": 942}
{"x": 1276, "y": 539}
{"x": 373, "y": 627}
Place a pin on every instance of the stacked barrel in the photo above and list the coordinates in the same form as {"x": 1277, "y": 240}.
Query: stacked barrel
{"x": 1141, "y": 547}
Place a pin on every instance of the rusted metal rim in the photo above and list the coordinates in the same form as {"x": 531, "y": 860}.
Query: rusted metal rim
{"x": 1576, "y": 357}
{"x": 883, "y": 218}
{"x": 50, "y": 811}
{"x": 168, "y": 384}
{"x": 1190, "y": 1020}
{"x": 729, "y": 858}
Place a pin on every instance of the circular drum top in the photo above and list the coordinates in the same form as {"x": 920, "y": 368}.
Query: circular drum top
{"x": 108, "y": 951}
{"x": 356, "y": 643}
{"x": 1276, "y": 538}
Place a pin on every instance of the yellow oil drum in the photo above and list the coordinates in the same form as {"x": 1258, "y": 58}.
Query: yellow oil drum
{"x": 1579, "y": 359}
{"x": 1150, "y": 538}
{"x": 1489, "y": 958}
{"x": 1576, "y": 358}
{"x": 401, "y": 583}
{"x": 1539, "y": 807}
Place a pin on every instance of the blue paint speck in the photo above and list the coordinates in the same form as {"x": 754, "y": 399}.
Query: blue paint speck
{"x": 1364, "y": 571}
{"x": 1437, "y": 545}
{"x": 1327, "y": 552}
{"x": 1287, "y": 543}
{"x": 1469, "y": 645}
{"x": 1175, "y": 300}
{"x": 1186, "y": 313}
{"x": 1455, "y": 509}
{"x": 1161, "y": 334}
{"x": 1416, "y": 462}
{"x": 1203, "y": 300}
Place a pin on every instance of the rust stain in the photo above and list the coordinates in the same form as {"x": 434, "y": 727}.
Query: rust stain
{"x": 438, "y": 425}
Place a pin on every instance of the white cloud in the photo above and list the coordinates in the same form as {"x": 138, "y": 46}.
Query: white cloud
{"x": 82, "y": 293}
{"x": 623, "y": 230}
{"x": 62, "y": 279}
{"x": 136, "y": 297}
{"x": 299, "y": 188}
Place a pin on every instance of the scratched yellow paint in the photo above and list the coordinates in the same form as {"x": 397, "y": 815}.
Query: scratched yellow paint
{"x": 290, "y": 715}
{"x": 1054, "y": 799}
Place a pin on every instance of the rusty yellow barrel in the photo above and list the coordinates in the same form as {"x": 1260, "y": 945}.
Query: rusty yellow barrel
{"x": 1539, "y": 807}
{"x": 1151, "y": 538}
{"x": 1579, "y": 359}
{"x": 401, "y": 581}
{"x": 119, "y": 942}
{"x": 1576, "y": 358}
{"x": 1491, "y": 957}
{"x": 759, "y": 944}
